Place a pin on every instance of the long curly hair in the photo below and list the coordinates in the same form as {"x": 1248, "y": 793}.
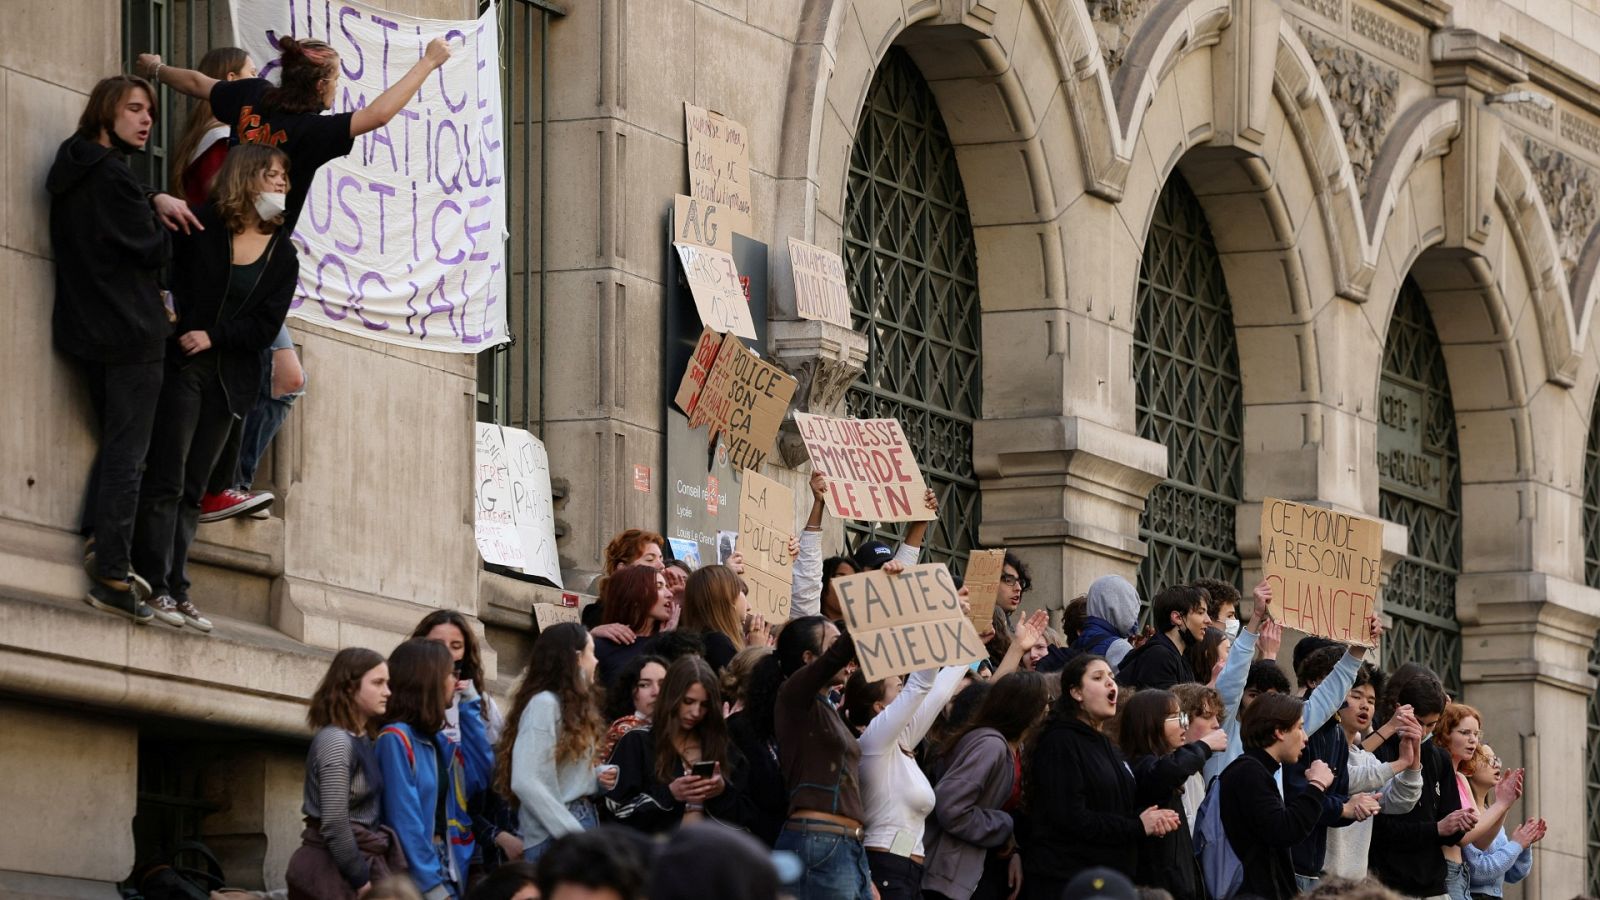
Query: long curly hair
{"x": 554, "y": 668}
{"x": 305, "y": 64}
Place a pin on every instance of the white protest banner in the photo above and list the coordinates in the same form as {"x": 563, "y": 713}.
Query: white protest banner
{"x": 906, "y": 622}
{"x": 496, "y": 523}
{"x": 871, "y": 471}
{"x": 719, "y": 164}
{"x": 718, "y": 293}
{"x": 403, "y": 240}
{"x": 532, "y": 504}
{"x": 820, "y": 291}
{"x": 766, "y": 522}
{"x": 1324, "y": 569}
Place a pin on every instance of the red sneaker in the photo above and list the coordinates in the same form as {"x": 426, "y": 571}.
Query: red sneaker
{"x": 230, "y": 503}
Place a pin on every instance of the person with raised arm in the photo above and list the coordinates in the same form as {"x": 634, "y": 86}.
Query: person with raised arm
{"x": 811, "y": 591}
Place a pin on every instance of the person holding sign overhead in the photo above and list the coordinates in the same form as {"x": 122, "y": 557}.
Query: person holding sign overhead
{"x": 812, "y": 591}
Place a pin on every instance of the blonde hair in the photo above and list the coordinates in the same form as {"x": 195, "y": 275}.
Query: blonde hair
{"x": 234, "y": 193}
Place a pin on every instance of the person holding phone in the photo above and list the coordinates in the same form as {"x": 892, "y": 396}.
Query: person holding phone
{"x": 682, "y": 766}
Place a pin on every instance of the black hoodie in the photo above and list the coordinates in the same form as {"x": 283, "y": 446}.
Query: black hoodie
{"x": 109, "y": 252}
{"x": 1157, "y": 664}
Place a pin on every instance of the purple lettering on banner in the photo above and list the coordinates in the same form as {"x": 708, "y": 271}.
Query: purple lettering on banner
{"x": 411, "y": 305}
{"x": 480, "y": 64}
{"x": 387, "y": 26}
{"x": 455, "y": 142}
{"x": 454, "y": 107}
{"x": 361, "y": 64}
{"x": 488, "y": 305}
{"x": 332, "y": 260}
{"x": 487, "y": 128}
{"x": 410, "y": 117}
{"x": 324, "y": 177}
{"x": 444, "y": 306}
{"x": 466, "y": 154}
{"x": 383, "y": 191}
{"x": 344, "y": 182}
{"x": 348, "y": 105}
{"x": 361, "y": 294}
{"x": 472, "y": 229}
{"x": 427, "y": 144}
{"x": 438, "y": 250}
{"x": 300, "y": 292}
{"x": 380, "y": 135}
{"x": 273, "y": 64}
{"x": 416, "y": 253}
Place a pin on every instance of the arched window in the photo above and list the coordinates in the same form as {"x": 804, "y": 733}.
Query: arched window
{"x": 1419, "y": 486}
{"x": 913, "y": 271}
{"x": 1186, "y": 367}
{"x": 1591, "y": 575}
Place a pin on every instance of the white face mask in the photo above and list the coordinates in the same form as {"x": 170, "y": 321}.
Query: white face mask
{"x": 270, "y": 205}
{"x": 1231, "y": 627}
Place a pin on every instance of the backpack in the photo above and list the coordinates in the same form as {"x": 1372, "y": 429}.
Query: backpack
{"x": 1219, "y": 865}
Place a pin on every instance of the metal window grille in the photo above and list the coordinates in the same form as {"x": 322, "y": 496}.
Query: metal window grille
{"x": 1420, "y": 487}
{"x": 181, "y": 31}
{"x": 913, "y": 271}
{"x": 1591, "y": 574}
{"x": 172, "y": 804}
{"x": 1186, "y": 370}
{"x": 511, "y": 376}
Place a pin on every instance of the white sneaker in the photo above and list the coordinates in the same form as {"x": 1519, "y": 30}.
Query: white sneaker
{"x": 166, "y": 610}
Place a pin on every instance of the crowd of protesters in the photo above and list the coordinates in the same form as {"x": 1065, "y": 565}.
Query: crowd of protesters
{"x": 675, "y": 743}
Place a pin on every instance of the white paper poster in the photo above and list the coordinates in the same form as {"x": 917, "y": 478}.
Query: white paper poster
{"x": 403, "y": 240}
{"x": 515, "y": 522}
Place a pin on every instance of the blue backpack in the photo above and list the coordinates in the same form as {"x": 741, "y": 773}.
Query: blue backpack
{"x": 1219, "y": 865}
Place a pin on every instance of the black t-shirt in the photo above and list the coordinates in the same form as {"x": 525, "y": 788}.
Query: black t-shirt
{"x": 310, "y": 139}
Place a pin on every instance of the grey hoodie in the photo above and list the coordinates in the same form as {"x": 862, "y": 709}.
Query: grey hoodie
{"x": 1114, "y": 600}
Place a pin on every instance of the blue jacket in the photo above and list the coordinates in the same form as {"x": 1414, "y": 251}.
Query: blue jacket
{"x": 1505, "y": 862}
{"x": 410, "y": 764}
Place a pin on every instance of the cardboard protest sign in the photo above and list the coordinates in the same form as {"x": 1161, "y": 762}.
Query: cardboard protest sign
{"x": 718, "y": 294}
{"x": 719, "y": 164}
{"x": 871, "y": 471}
{"x": 495, "y": 525}
{"x": 532, "y": 504}
{"x": 744, "y": 398}
{"x": 906, "y": 622}
{"x": 984, "y": 568}
{"x": 547, "y": 614}
{"x": 515, "y": 523}
{"x": 700, "y": 222}
{"x": 820, "y": 291}
{"x": 403, "y": 240}
{"x": 766, "y": 522}
{"x": 1323, "y": 567}
{"x": 694, "y": 377}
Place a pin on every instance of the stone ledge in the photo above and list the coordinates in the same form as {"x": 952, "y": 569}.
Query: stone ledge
{"x": 28, "y": 886}
{"x": 241, "y": 675}
{"x": 1068, "y": 445}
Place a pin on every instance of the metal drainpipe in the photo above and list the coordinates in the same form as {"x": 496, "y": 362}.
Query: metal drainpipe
{"x": 1530, "y": 804}
{"x": 544, "y": 182}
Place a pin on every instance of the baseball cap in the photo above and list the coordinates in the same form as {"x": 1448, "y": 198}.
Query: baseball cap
{"x": 1100, "y": 882}
{"x": 872, "y": 555}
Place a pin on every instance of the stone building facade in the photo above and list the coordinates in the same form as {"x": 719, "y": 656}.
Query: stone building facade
{"x": 1125, "y": 268}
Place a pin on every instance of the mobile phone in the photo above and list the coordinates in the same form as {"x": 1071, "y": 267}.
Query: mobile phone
{"x": 704, "y": 770}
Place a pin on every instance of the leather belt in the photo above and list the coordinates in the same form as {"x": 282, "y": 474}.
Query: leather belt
{"x": 822, "y": 826}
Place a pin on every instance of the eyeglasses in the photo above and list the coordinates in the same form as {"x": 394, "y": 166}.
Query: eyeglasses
{"x": 1494, "y": 762}
{"x": 1468, "y": 733}
{"x": 1014, "y": 581}
{"x": 1183, "y": 719}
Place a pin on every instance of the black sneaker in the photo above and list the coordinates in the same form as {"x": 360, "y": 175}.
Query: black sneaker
{"x": 119, "y": 599}
{"x": 141, "y": 587}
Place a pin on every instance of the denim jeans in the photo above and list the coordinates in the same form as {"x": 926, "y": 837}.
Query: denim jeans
{"x": 835, "y": 865}
{"x": 192, "y": 422}
{"x": 1456, "y": 881}
{"x": 582, "y": 810}
{"x": 896, "y": 877}
{"x": 125, "y": 397}
{"x": 1306, "y": 883}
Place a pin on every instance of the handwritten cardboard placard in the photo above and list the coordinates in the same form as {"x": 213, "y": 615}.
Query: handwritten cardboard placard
{"x": 495, "y": 522}
{"x": 694, "y": 377}
{"x": 532, "y": 504}
{"x": 984, "y": 568}
{"x": 1323, "y": 567}
{"x": 700, "y": 222}
{"x": 871, "y": 471}
{"x": 766, "y": 522}
{"x": 907, "y": 622}
{"x": 718, "y": 294}
{"x": 719, "y": 164}
{"x": 743, "y": 398}
{"x": 547, "y": 614}
{"x": 820, "y": 291}
{"x": 402, "y": 240}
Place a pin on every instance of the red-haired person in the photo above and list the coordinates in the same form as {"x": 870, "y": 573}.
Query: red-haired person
{"x": 638, "y": 600}
{"x": 343, "y": 850}
{"x": 109, "y": 316}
